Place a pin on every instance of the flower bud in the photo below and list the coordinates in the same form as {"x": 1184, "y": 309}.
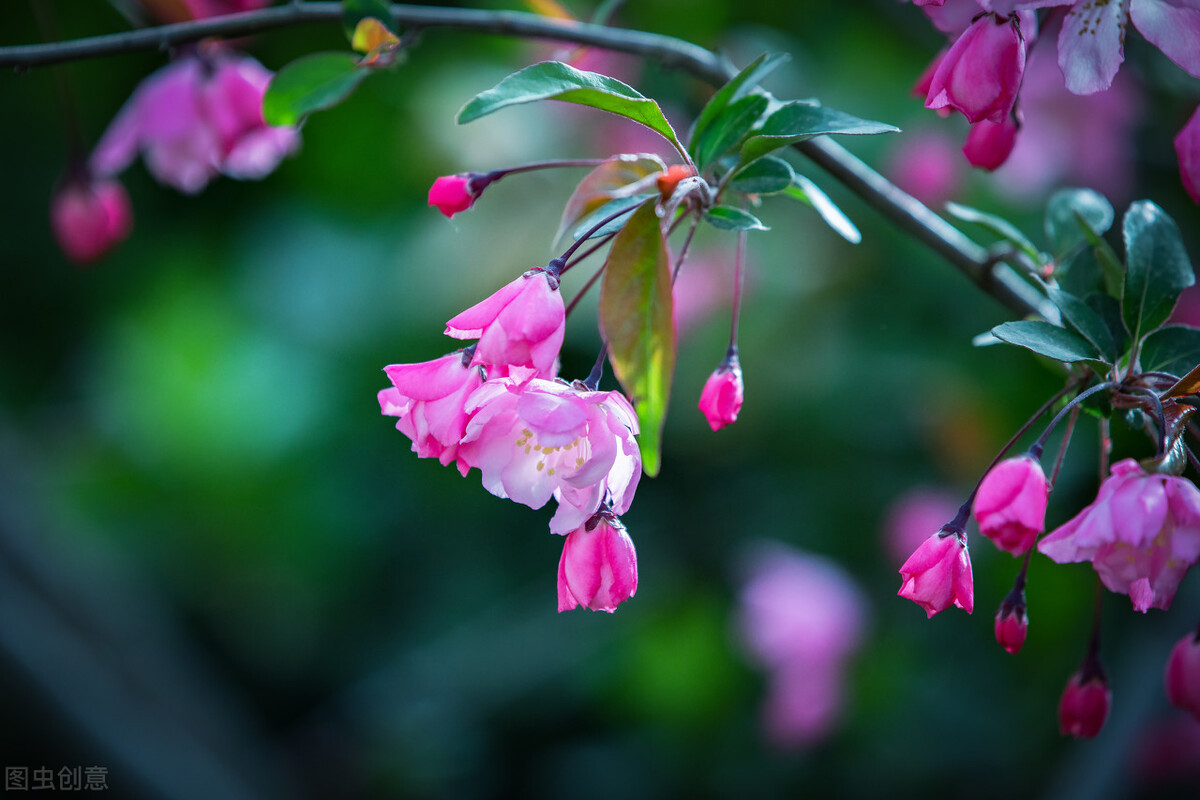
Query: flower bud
{"x": 989, "y": 144}
{"x": 981, "y": 73}
{"x": 1183, "y": 675}
{"x": 454, "y": 193}
{"x": 1084, "y": 705}
{"x": 90, "y": 218}
{"x": 1012, "y": 622}
{"x": 670, "y": 178}
{"x": 721, "y": 398}
{"x": 1010, "y": 505}
{"x": 598, "y": 568}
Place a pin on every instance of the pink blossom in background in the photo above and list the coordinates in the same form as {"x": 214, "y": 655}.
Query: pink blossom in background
{"x": 721, "y": 398}
{"x": 926, "y": 164}
{"x": 1187, "y": 150}
{"x": 452, "y": 194}
{"x": 938, "y": 574}
{"x": 598, "y": 568}
{"x": 430, "y": 399}
{"x": 704, "y": 284}
{"x": 911, "y": 517}
{"x": 1168, "y": 751}
{"x": 1141, "y": 534}
{"x": 801, "y": 618}
{"x": 1010, "y": 505}
{"x": 989, "y": 144}
{"x": 198, "y": 117}
{"x": 182, "y": 10}
{"x": 520, "y": 327}
{"x": 1084, "y": 706}
{"x": 1183, "y": 674}
{"x": 90, "y": 217}
{"x": 539, "y": 439}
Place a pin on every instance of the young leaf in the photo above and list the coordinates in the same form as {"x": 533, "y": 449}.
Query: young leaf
{"x": 553, "y": 80}
{"x": 1172, "y": 348}
{"x": 607, "y": 210}
{"x": 620, "y": 176}
{"x": 727, "y": 129}
{"x": 1001, "y": 227}
{"x": 737, "y": 87}
{"x": 804, "y": 119}
{"x": 1071, "y": 214}
{"x": 637, "y": 320}
{"x": 1082, "y": 318}
{"x": 808, "y": 192}
{"x": 1157, "y": 268}
{"x": 1047, "y": 340}
{"x": 355, "y": 11}
{"x": 310, "y": 84}
{"x": 728, "y": 218}
{"x": 767, "y": 175}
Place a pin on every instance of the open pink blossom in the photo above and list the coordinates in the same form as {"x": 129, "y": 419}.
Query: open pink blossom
{"x": 598, "y": 568}
{"x": 198, "y": 117}
{"x": 90, "y": 217}
{"x": 1187, "y": 150}
{"x": 1183, "y": 674}
{"x": 1010, "y": 505}
{"x": 1141, "y": 534}
{"x": 721, "y": 398}
{"x": 539, "y": 439}
{"x": 938, "y": 574}
{"x": 430, "y": 399}
{"x": 980, "y": 75}
{"x": 1084, "y": 705}
{"x": 520, "y": 327}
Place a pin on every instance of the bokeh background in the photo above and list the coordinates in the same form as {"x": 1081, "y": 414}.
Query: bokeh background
{"x": 223, "y": 574}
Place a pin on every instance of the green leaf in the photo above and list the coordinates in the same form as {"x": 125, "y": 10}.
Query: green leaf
{"x": 767, "y": 175}
{"x": 1172, "y": 348}
{"x": 727, "y": 129}
{"x": 808, "y": 192}
{"x": 728, "y": 218}
{"x": 1071, "y": 214}
{"x": 1157, "y": 268}
{"x": 608, "y": 209}
{"x": 553, "y": 80}
{"x": 354, "y": 11}
{"x": 737, "y": 87}
{"x": 1047, "y": 340}
{"x": 997, "y": 225}
{"x": 1111, "y": 268}
{"x": 804, "y": 119}
{"x": 1086, "y": 321}
{"x": 310, "y": 84}
{"x": 620, "y": 176}
{"x": 637, "y": 319}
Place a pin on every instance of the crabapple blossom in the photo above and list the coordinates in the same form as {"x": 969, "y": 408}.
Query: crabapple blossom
{"x": 453, "y": 193}
{"x": 1141, "y": 534}
{"x": 520, "y": 327}
{"x": 981, "y": 72}
{"x": 1183, "y": 674}
{"x": 538, "y": 439}
{"x": 721, "y": 398}
{"x": 1187, "y": 150}
{"x": 1084, "y": 705}
{"x": 1010, "y": 505}
{"x": 195, "y": 118}
{"x": 989, "y": 144}
{"x": 90, "y": 217}
{"x": 429, "y": 398}
{"x": 938, "y": 574}
{"x": 598, "y": 568}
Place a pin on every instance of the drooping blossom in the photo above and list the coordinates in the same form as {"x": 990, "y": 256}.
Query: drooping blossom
{"x": 1012, "y": 621}
{"x": 454, "y": 193}
{"x": 90, "y": 217}
{"x": 1141, "y": 534}
{"x": 802, "y": 618}
{"x": 989, "y": 144}
{"x": 195, "y": 118}
{"x": 1010, "y": 505}
{"x": 539, "y": 439}
{"x": 721, "y": 398}
{"x": 1187, "y": 150}
{"x": 980, "y": 74}
{"x": 1084, "y": 705}
{"x": 598, "y": 568}
{"x": 430, "y": 399}
{"x": 520, "y": 327}
{"x": 938, "y": 574}
{"x": 1183, "y": 674}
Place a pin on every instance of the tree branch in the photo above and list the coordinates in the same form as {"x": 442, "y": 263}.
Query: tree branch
{"x": 902, "y": 209}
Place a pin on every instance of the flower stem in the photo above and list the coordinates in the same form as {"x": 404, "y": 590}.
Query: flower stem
{"x": 592, "y": 381}
{"x": 738, "y": 281}
{"x": 1079, "y": 398}
{"x": 561, "y": 261}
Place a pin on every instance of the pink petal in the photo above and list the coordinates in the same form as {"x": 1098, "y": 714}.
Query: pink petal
{"x": 1091, "y": 45}
{"x": 1172, "y": 26}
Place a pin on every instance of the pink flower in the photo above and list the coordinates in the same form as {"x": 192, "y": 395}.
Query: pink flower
{"x": 989, "y": 144}
{"x": 1010, "y": 505}
{"x": 90, "y": 217}
{"x": 981, "y": 73}
{"x": 938, "y": 574}
{"x": 1183, "y": 674}
{"x": 429, "y": 399}
{"x": 195, "y": 118}
{"x": 721, "y": 398}
{"x": 1084, "y": 705}
{"x": 926, "y": 165}
{"x": 598, "y": 568}
{"x": 1141, "y": 534}
{"x": 539, "y": 439}
{"x": 181, "y": 10}
{"x": 1012, "y": 622}
{"x": 453, "y": 193}
{"x": 1187, "y": 150}
{"x": 520, "y": 326}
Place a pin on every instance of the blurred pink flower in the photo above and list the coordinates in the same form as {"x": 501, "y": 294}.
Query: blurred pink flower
{"x": 802, "y": 618}
{"x": 1183, "y": 674}
{"x": 926, "y": 164}
{"x": 181, "y": 10}
{"x": 721, "y": 398}
{"x": 1010, "y": 505}
{"x": 1187, "y": 150}
{"x": 90, "y": 217}
{"x": 1084, "y": 705}
{"x": 938, "y": 574}
{"x": 980, "y": 74}
{"x": 911, "y": 517}
{"x": 1141, "y": 534}
{"x": 598, "y": 568}
{"x": 195, "y": 118}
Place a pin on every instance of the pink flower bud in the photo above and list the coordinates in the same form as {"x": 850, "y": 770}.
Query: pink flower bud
{"x": 1187, "y": 150}
{"x": 938, "y": 574}
{"x": 1084, "y": 705}
{"x": 1010, "y": 505}
{"x": 1183, "y": 675}
{"x": 989, "y": 144}
{"x": 721, "y": 398}
{"x": 90, "y": 217}
{"x": 598, "y": 568}
{"x": 1012, "y": 622}
{"x": 981, "y": 73}
{"x": 453, "y": 193}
